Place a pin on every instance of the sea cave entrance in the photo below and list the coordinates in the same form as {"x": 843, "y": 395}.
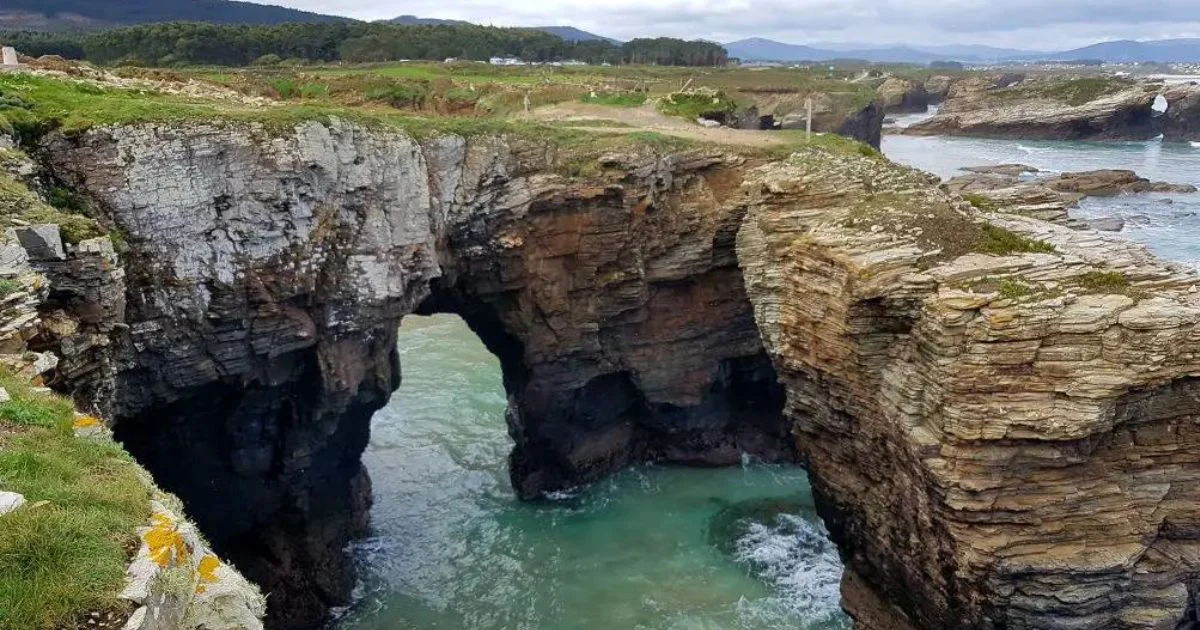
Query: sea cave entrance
{"x": 656, "y": 546}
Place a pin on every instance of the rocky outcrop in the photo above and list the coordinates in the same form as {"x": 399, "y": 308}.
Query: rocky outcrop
{"x": 1051, "y": 198}
{"x": 267, "y": 276}
{"x": 997, "y": 413}
{"x": 937, "y": 88}
{"x": 898, "y": 95}
{"x": 830, "y": 115}
{"x": 1111, "y": 182}
{"x": 1181, "y": 122}
{"x": 995, "y": 441}
{"x": 1049, "y": 110}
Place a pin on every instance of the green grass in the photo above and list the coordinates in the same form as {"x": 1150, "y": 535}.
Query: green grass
{"x": 693, "y": 106}
{"x": 1001, "y": 242}
{"x": 8, "y": 286}
{"x": 1012, "y": 290}
{"x": 64, "y": 554}
{"x": 1105, "y": 282}
{"x": 616, "y": 100}
{"x": 981, "y": 202}
{"x": 18, "y": 202}
{"x": 1074, "y": 92}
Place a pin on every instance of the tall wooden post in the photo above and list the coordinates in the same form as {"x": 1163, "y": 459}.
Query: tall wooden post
{"x": 808, "y": 120}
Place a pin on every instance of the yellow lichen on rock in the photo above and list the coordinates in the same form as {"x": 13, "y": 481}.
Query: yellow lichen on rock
{"x": 86, "y": 422}
{"x": 206, "y": 572}
{"x": 167, "y": 546}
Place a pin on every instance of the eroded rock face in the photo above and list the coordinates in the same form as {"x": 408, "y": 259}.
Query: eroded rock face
{"x": 1182, "y": 119}
{"x": 898, "y": 95}
{"x": 996, "y": 442}
{"x": 983, "y": 108}
{"x": 267, "y": 276}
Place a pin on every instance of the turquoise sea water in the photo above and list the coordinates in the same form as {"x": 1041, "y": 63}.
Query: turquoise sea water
{"x": 653, "y": 548}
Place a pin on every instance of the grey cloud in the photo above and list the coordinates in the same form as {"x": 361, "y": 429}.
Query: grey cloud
{"x": 1043, "y": 24}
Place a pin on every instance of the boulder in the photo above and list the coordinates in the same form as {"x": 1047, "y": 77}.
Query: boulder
{"x": 10, "y": 501}
{"x": 42, "y": 242}
{"x": 1106, "y": 224}
{"x": 1014, "y": 170}
{"x": 1111, "y": 182}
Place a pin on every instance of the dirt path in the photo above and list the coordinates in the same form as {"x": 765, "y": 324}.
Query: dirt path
{"x": 647, "y": 118}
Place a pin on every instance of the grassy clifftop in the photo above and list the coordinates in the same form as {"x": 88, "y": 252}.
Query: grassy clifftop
{"x": 63, "y": 556}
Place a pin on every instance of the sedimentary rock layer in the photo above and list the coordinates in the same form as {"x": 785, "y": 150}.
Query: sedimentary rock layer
{"x": 996, "y": 441}
{"x": 999, "y": 418}
{"x": 267, "y": 277}
{"x": 1050, "y": 112}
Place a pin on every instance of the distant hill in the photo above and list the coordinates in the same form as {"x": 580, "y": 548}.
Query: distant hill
{"x": 420, "y": 21}
{"x": 1131, "y": 51}
{"x": 757, "y": 49}
{"x": 89, "y": 14}
{"x": 572, "y": 34}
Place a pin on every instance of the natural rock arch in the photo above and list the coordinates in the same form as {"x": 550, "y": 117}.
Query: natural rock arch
{"x": 946, "y": 420}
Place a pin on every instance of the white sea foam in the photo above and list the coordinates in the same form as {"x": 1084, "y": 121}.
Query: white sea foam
{"x": 1195, "y": 145}
{"x": 797, "y": 558}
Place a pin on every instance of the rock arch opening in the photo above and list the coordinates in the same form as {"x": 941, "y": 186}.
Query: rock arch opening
{"x": 445, "y": 522}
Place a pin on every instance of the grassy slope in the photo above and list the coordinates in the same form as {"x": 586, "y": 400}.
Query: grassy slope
{"x": 18, "y": 203}
{"x": 66, "y": 557}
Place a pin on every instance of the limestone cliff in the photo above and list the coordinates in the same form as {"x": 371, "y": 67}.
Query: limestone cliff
{"x": 997, "y": 413}
{"x": 267, "y": 276}
{"x": 998, "y": 441}
{"x": 1182, "y": 119}
{"x": 1082, "y": 109}
{"x": 898, "y": 95}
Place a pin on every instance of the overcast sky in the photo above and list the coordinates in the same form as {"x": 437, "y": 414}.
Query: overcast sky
{"x": 1029, "y": 24}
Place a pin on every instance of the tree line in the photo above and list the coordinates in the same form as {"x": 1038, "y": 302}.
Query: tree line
{"x": 192, "y": 43}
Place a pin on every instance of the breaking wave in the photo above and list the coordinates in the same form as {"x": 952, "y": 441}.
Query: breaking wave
{"x": 783, "y": 544}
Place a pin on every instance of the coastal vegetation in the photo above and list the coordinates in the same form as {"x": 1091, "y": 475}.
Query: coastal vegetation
{"x": 187, "y": 43}
{"x": 63, "y": 555}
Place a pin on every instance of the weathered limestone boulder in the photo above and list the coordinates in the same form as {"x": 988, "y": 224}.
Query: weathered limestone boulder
{"x": 898, "y": 95}
{"x": 996, "y": 441}
{"x": 1110, "y": 182}
{"x": 1050, "y": 109}
{"x": 1181, "y": 122}
{"x": 1107, "y": 224}
{"x": 1011, "y": 170}
{"x": 10, "y": 501}
{"x": 41, "y": 242}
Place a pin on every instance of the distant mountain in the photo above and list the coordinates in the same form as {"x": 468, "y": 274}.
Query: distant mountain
{"x": 976, "y": 52}
{"x": 420, "y": 21}
{"x": 1166, "y": 50}
{"x": 89, "y": 14}
{"x": 572, "y": 34}
{"x": 1133, "y": 51}
{"x": 758, "y": 49}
